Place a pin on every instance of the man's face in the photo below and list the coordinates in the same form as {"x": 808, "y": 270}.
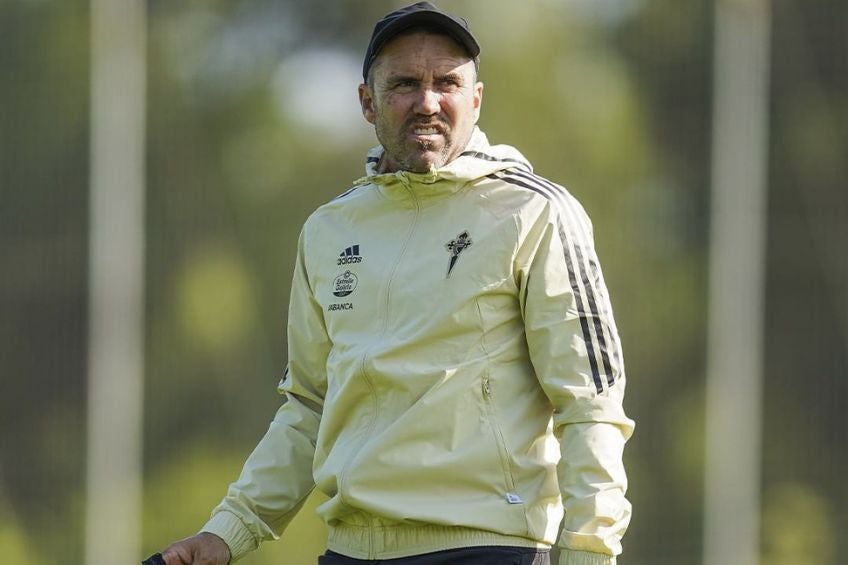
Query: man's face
{"x": 423, "y": 101}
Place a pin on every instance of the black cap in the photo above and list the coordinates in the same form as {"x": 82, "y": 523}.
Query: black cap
{"x": 418, "y": 14}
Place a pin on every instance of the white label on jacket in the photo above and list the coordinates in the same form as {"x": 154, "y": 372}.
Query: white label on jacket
{"x": 513, "y": 498}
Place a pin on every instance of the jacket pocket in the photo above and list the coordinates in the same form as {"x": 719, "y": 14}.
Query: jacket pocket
{"x": 503, "y": 454}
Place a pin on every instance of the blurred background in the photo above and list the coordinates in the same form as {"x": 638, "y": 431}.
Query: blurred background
{"x": 251, "y": 121}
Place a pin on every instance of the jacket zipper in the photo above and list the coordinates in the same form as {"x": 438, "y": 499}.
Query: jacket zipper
{"x": 343, "y": 474}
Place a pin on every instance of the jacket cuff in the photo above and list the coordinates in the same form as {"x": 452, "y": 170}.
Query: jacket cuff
{"x": 229, "y": 528}
{"x": 569, "y": 557}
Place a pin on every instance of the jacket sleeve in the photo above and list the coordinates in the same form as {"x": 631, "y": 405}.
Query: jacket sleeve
{"x": 277, "y": 476}
{"x": 576, "y": 353}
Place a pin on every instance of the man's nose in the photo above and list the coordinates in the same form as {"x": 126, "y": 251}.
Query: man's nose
{"x": 427, "y": 102}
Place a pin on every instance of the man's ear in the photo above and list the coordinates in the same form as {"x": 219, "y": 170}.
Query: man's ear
{"x": 366, "y": 101}
{"x": 478, "y": 100}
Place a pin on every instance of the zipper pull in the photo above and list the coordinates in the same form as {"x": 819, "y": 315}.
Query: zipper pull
{"x": 487, "y": 389}
{"x": 404, "y": 180}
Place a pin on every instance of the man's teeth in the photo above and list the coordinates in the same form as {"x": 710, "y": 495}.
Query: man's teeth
{"x": 425, "y": 131}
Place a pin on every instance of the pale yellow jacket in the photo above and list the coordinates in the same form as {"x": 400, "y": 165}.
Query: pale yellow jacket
{"x": 455, "y": 375}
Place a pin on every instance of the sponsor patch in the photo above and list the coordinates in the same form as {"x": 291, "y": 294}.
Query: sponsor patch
{"x": 344, "y": 284}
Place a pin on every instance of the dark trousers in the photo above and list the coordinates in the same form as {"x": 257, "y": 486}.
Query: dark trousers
{"x": 487, "y": 555}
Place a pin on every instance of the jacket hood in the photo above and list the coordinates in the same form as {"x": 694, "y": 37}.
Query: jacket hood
{"x": 478, "y": 160}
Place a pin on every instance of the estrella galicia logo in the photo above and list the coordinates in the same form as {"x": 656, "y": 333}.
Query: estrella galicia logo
{"x": 455, "y": 247}
{"x": 344, "y": 284}
{"x": 350, "y": 255}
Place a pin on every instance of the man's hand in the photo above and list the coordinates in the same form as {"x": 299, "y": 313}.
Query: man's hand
{"x": 202, "y": 549}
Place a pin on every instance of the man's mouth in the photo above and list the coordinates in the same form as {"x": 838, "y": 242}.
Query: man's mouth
{"x": 425, "y": 131}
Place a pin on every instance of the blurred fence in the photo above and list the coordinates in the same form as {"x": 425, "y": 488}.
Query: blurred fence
{"x": 252, "y": 121}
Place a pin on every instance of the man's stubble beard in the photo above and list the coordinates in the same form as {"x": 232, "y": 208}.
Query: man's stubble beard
{"x": 404, "y": 160}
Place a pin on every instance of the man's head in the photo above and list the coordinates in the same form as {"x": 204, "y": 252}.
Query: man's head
{"x": 421, "y": 90}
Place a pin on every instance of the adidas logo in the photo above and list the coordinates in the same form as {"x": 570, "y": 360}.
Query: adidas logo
{"x": 349, "y": 255}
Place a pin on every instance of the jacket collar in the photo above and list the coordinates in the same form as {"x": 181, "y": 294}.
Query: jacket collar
{"x": 478, "y": 160}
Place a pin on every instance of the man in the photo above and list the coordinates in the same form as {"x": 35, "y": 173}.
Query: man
{"x": 455, "y": 377}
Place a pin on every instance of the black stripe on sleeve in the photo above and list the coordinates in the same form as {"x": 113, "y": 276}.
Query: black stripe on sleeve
{"x": 578, "y": 267}
{"x": 572, "y": 277}
{"x": 595, "y": 295}
{"x": 348, "y": 191}
{"x": 487, "y": 157}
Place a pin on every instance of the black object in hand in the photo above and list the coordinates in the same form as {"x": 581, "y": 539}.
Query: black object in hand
{"x": 155, "y": 559}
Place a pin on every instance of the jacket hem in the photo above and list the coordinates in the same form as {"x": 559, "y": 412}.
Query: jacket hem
{"x": 390, "y": 542}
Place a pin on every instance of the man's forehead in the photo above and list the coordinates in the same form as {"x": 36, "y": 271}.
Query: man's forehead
{"x": 432, "y": 66}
